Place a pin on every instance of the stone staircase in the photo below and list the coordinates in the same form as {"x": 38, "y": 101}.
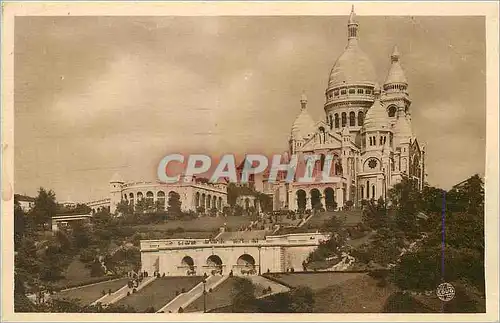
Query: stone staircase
{"x": 184, "y": 299}
{"x": 122, "y": 292}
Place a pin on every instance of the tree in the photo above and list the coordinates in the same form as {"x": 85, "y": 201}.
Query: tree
{"x": 421, "y": 269}
{"x": 125, "y": 207}
{"x": 19, "y": 223}
{"x": 405, "y": 198}
{"x": 174, "y": 204}
{"x": 45, "y": 207}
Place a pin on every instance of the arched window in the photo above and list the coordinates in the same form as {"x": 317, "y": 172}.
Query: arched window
{"x": 336, "y": 120}
{"x": 322, "y": 161}
{"x": 360, "y": 118}
{"x": 392, "y": 111}
{"x": 370, "y": 141}
{"x": 381, "y": 139}
{"x": 331, "y": 121}
{"x": 367, "y": 189}
{"x": 352, "y": 119}
{"x": 362, "y": 191}
{"x": 344, "y": 119}
{"x": 373, "y": 191}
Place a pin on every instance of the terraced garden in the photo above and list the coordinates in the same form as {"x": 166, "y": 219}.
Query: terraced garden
{"x": 316, "y": 280}
{"x": 221, "y": 296}
{"x": 90, "y": 293}
{"x": 158, "y": 293}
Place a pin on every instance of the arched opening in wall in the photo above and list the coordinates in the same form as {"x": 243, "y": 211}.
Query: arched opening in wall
{"x": 315, "y": 199}
{"x": 362, "y": 192}
{"x": 203, "y": 198}
{"x": 131, "y": 198}
{"x": 322, "y": 161}
{"x": 344, "y": 119}
{"x": 197, "y": 199}
{"x": 247, "y": 203}
{"x": 246, "y": 264}
{"x": 139, "y": 196}
{"x": 352, "y": 119}
{"x": 331, "y": 121}
{"x": 301, "y": 200}
{"x": 219, "y": 204}
{"x": 150, "y": 199}
{"x": 373, "y": 191}
{"x": 214, "y": 264}
{"x": 209, "y": 201}
{"x": 160, "y": 198}
{"x": 329, "y": 199}
{"x": 109, "y": 208}
{"x": 361, "y": 117}
{"x": 338, "y": 168}
{"x": 187, "y": 262}
{"x": 392, "y": 111}
{"x": 336, "y": 120}
{"x": 214, "y": 202}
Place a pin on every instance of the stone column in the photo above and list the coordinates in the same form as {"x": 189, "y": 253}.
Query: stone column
{"x": 339, "y": 197}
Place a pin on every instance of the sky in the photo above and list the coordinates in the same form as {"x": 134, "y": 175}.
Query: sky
{"x": 100, "y": 95}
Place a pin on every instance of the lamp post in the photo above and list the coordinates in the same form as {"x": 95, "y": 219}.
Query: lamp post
{"x": 204, "y": 296}
{"x": 259, "y": 260}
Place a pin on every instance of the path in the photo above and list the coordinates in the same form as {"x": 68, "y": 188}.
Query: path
{"x": 184, "y": 299}
{"x": 122, "y": 292}
{"x": 264, "y": 283}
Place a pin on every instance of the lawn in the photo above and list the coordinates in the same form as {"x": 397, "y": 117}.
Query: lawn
{"x": 221, "y": 296}
{"x": 158, "y": 293}
{"x": 91, "y": 293}
{"x": 349, "y": 218}
{"x": 315, "y": 280}
{"x": 360, "y": 294}
{"x": 202, "y": 224}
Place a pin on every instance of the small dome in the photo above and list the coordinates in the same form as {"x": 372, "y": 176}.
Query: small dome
{"x": 303, "y": 125}
{"x": 402, "y": 130}
{"x": 396, "y": 73}
{"x": 116, "y": 179}
{"x": 376, "y": 117}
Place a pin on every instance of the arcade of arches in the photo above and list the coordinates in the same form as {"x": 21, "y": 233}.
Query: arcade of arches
{"x": 317, "y": 198}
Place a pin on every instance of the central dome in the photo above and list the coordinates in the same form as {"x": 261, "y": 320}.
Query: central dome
{"x": 352, "y": 67}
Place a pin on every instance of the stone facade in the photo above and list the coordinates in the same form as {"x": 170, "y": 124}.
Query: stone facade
{"x": 193, "y": 194}
{"x": 367, "y": 128}
{"x": 180, "y": 257}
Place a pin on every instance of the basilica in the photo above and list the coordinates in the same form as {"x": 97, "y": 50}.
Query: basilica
{"x": 367, "y": 128}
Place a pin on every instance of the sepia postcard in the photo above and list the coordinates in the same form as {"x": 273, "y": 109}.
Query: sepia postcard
{"x": 250, "y": 161}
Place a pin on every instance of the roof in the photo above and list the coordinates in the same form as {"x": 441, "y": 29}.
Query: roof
{"x": 376, "y": 118}
{"x": 304, "y": 123}
{"x": 402, "y": 129}
{"x": 353, "y": 66}
{"x": 23, "y": 198}
{"x": 396, "y": 73}
{"x": 116, "y": 178}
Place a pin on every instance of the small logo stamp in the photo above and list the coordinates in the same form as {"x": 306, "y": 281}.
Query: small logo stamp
{"x": 445, "y": 292}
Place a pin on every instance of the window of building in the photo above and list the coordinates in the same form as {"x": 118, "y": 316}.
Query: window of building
{"x": 392, "y": 111}
{"x": 336, "y": 93}
{"x": 352, "y": 119}
{"x": 368, "y": 91}
{"x": 344, "y": 119}
{"x": 352, "y": 91}
{"x": 372, "y": 163}
{"x": 343, "y": 92}
{"x": 360, "y": 91}
{"x": 373, "y": 191}
{"x": 331, "y": 121}
{"x": 360, "y": 118}
{"x": 336, "y": 120}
